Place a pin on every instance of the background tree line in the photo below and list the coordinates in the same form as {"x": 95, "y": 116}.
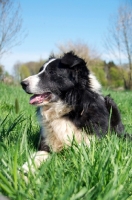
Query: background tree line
{"x": 108, "y": 73}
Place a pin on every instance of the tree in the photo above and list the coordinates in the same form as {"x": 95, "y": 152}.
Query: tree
{"x": 16, "y": 71}
{"x": 119, "y": 39}
{"x": 23, "y": 70}
{"x": 10, "y": 25}
{"x": 1, "y": 71}
{"x": 90, "y": 55}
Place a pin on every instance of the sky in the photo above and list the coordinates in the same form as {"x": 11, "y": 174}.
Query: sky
{"x": 51, "y": 22}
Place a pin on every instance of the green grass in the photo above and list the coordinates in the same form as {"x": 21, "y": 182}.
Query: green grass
{"x": 102, "y": 172}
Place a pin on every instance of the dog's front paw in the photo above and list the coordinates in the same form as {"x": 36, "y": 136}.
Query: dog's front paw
{"x": 34, "y": 162}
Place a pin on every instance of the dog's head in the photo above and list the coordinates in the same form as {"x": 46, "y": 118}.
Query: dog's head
{"x": 58, "y": 76}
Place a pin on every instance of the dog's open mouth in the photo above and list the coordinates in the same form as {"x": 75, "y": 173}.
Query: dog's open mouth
{"x": 40, "y": 98}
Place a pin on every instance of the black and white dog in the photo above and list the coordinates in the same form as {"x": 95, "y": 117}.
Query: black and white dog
{"x": 70, "y": 105}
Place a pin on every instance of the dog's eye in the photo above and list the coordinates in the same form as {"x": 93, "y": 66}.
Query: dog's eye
{"x": 51, "y": 72}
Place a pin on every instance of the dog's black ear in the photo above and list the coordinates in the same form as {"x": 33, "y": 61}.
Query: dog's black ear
{"x": 71, "y": 60}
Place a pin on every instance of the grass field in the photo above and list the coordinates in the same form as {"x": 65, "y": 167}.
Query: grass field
{"x": 101, "y": 172}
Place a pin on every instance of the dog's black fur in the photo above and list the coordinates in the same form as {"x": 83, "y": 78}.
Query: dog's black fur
{"x": 67, "y": 79}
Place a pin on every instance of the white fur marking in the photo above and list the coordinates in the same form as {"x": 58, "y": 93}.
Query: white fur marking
{"x": 35, "y": 161}
{"x": 46, "y": 64}
{"x": 95, "y": 85}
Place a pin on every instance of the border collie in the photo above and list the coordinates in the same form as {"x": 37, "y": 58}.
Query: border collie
{"x": 69, "y": 105}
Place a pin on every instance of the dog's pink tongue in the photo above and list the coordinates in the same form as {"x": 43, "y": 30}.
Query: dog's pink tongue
{"x": 36, "y": 99}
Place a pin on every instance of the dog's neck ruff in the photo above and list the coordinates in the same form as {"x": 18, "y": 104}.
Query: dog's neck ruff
{"x": 54, "y": 110}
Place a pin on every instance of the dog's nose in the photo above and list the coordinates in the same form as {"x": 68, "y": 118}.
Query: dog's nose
{"x": 24, "y": 84}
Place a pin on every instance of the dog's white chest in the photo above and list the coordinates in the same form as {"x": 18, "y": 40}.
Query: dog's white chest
{"x": 59, "y": 131}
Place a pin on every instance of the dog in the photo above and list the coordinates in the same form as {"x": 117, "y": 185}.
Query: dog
{"x": 69, "y": 105}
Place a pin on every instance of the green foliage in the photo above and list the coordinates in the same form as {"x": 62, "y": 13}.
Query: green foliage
{"x": 1, "y": 71}
{"x": 116, "y": 77}
{"x": 101, "y": 172}
{"x": 112, "y": 76}
{"x": 24, "y": 71}
{"x": 99, "y": 72}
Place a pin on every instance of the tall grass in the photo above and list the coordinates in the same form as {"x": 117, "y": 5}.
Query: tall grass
{"x": 101, "y": 172}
